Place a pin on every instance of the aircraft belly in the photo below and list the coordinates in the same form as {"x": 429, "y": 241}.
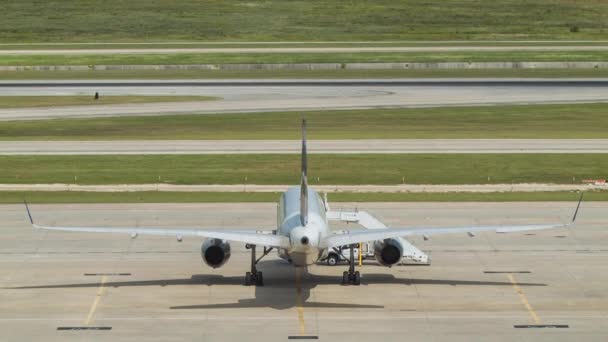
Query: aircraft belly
{"x": 305, "y": 258}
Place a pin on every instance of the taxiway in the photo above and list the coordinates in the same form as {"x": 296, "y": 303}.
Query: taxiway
{"x": 138, "y": 147}
{"x": 499, "y": 287}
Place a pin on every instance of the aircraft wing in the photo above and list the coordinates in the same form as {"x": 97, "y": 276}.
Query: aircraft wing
{"x": 250, "y": 237}
{"x": 381, "y": 234}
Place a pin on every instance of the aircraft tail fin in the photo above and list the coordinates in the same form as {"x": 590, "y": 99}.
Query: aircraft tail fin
{"x": 304, "y": 180}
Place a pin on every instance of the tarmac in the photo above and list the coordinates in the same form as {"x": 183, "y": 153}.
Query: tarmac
{"x": 543, "y": 286}
{"x": 138, "y": 147}
{"x": 247, "y": 96}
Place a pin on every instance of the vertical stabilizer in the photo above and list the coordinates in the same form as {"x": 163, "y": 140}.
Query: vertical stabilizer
{"x": 304, "y": 180}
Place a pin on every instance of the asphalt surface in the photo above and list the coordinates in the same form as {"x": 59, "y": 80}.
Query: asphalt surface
{"x": 247, "y": 96}
{"x": 138, "y": 147}
{"x": 498, "y": 287}
{"x": 244, "y": 50}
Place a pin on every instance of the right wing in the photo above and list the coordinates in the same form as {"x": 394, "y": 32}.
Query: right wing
{"x": 250, "y": 237}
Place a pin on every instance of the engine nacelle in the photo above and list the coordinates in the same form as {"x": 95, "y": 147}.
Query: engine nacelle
{"x": 388, "y": 252}
{"x": 215, "y": 252}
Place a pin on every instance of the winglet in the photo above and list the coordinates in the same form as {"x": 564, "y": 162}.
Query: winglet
{"x": 29, "y": 215}
{"x": 577, "y": 207}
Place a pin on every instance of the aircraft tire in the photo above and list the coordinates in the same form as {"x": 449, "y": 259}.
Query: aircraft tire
{"x": 332, "y": 260}
{"x": 345, "y": 278}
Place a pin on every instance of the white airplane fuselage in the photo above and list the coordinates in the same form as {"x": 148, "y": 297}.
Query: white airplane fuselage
{"x": 305, "y": 239}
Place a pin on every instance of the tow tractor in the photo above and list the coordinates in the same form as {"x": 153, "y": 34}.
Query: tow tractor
{"x": 411, "y": 254}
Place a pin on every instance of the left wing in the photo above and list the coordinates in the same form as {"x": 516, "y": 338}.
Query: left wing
{"x": 250, "y": 237}
{"x": 381, "y": 234}
{"x": 361, "y": 217}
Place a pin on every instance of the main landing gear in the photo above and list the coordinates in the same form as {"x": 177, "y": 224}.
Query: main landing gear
{"x": 255, "y": 277}
{"x": 351, "y": 277}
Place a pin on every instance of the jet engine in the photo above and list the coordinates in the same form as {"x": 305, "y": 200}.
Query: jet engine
{"x": 215, "y": 252}
{"x": 388, "y": 252}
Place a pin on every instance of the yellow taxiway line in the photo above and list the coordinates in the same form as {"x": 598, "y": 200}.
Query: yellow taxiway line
{"x": 524, "y": 300}
{"x": 100, "y": 292}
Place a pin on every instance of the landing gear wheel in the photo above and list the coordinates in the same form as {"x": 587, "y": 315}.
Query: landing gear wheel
{"x": 332, "y": 260}
{"x": 254, "y": 277}
{"x": 351, "y": 277}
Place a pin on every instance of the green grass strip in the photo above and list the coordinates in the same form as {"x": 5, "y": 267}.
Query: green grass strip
{"x": 381, "y": 169}
{"x": 311, "y": 44}
{"x": 9, "y": 197}
{"x": 312, "y": 74}
{"x": 270, "y": 58}
{"x": 572, "y": 121}
{"x": 280, "y": 20}
{"x": 45, "y": 101}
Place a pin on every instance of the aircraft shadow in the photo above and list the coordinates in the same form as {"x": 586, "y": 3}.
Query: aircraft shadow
{"x": 280, "y": 287}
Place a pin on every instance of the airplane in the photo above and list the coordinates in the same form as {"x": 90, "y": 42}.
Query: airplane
{"x": 303, "y": 236}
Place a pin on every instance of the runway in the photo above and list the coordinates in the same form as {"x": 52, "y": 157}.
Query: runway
{"x": 245, "y": 96}
{"x": 498, "y": 287}
{"x": 139, "y": 147}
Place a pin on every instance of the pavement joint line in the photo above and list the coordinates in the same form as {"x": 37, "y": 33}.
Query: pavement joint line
{"x": 277, "y": 318}
{"x": 524, "y": 300}
{"x": 100, "y": 292}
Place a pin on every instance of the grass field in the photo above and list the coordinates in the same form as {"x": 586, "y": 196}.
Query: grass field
{"x": 527, "y": 121}
{"x": 291, "y": 44}
{"x": 323, "y": 169}
{"x": 245, "y": 197}
{"x": 279, "y": 74}
{"x": 265, "y": 58}
{"x": 272, "y": 20}
{"x": 46, "y": 101}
